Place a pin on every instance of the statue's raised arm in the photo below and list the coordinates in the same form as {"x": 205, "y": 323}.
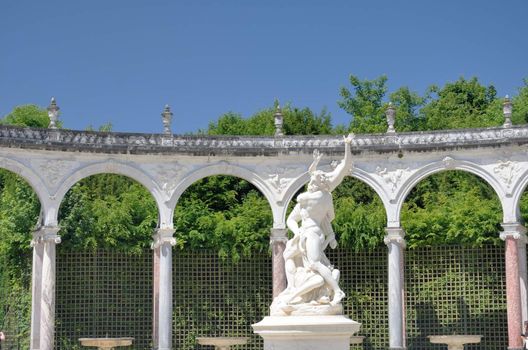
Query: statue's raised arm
{"x": 335, "y": 177}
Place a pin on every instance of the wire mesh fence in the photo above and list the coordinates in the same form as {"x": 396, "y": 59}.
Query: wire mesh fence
{"x": 449, "y": 290}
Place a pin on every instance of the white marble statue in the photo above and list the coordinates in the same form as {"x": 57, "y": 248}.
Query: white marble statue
{"x": 313, "y": 283}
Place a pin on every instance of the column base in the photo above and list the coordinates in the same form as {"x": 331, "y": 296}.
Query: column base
{"x": 306, "y": 332}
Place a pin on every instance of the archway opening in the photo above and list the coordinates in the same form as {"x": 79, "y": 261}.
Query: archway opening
{"x": 454, "y": 261}
{"x": 361, "y": 257}
{"x": 19, "y": 215}
{"x": 222, "y": 269}
{"x": 104, "y": 264}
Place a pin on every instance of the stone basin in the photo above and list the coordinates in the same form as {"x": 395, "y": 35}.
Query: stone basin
{"x": 106, "y": 343}
{"x": 455, "y": 342}
{"x": 222, "y": 343}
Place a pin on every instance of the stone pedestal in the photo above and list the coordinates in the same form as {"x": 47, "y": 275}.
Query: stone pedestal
{"x": 306, "y": 332}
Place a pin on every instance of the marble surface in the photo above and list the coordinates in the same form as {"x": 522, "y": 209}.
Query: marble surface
{"x": 106, "y": 343}
{"x": 312, "y": 281}
{"x": 327, "y": 332}
{"x": 454, "y": 342}
{"x": 222, "y": 343}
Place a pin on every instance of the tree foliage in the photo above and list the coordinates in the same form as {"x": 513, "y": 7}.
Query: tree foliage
{"x": 297, "y": 121}
{"x": 27, "y": 115}
{"x": 107, "y": 211}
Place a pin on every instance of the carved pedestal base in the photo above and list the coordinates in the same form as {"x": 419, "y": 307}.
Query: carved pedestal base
{"x": 306, "y": 332}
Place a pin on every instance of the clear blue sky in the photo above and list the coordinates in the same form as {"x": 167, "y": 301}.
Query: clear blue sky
{"x": 121, "y": 61}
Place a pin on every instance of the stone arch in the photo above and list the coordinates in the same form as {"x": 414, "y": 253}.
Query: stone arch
{"x": 225, "y": 169}
{"x": 112, "y": 168}
{"x": 447, "y": 165}
{"x": 31, "y": 178}
{"x": 359, "y": 174}
{"x": 517, "y": 192}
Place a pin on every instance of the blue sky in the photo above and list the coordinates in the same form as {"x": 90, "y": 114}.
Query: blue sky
{"x": 122, "y": 61}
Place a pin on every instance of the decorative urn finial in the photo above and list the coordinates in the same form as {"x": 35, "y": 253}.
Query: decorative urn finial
{"x": 166, "y": 117}
{"x": 53, "y": 113}
{"x": 507, "y": 111}
{"x": 389, "y": 114}
{"x": 279, "y": 120}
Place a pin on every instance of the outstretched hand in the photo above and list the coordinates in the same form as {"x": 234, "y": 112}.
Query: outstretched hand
{"x": 317, "y": 155}
{"x": 348, "y": 139}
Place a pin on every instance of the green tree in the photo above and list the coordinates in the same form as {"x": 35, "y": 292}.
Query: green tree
{"x": 296, "y": 122}
{"x": 453, "y": 207}
{"x": 223, "y": 213}
{"x": 365, "y": 104}
{"x": 27, "y": 115}
{"x": 360, "y": 215}
{"x": 520, "y": 105}
{"x": 107, "y": 211}
{"x": 462, "y": 104}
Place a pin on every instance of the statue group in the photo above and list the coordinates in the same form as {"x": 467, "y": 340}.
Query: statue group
{"x": 313, "y": 282}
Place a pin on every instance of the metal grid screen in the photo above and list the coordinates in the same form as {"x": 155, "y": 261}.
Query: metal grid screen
{"x": 449, "y": 290}
{"x": 456, "y": 290}
{"x": 103, "y": 293}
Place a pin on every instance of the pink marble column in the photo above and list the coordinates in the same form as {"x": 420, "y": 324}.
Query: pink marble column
{"x": 278, "y": 241}
{"x": 512, "y": 233}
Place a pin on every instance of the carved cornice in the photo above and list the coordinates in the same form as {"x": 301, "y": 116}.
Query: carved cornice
{"x": 113, "y": 142}
{"x": 45, "y": 234}
{"x": 163, "y": 236}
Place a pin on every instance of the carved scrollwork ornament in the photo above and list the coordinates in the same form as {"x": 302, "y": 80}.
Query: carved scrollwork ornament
{"x": 394, "y": 239}
{"x": 395, "y": 235}
{"x": 515, "y": 231}
{"x": 163, "y": 236}
{"x": 449, "y": 162}
{"x": 278, "y": 235}
{"x": 45, "y": 235}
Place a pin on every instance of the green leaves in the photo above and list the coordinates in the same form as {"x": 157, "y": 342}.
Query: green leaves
{"x": 27, "y": 115}
{"x": 107, "y": 211}
{"x": 226, "y": 214}
{"x": 296, "y": 122}
{"x": 452, "y": 208}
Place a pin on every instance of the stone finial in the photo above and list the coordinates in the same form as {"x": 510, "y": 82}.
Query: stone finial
{"x": 507, "y": 111}
{"x": 390, "y": 113}
{"x": 53, "y": 113}
{"x": 279, "y": 120}
{"x": 166, "y": 117}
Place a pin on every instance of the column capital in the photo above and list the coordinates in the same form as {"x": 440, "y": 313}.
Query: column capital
{"x": 513, "y": 230}
{"x": 46, "y": 234}
{"x": 395, "y": 235}
{"x": 163, "y": 236}
{"x": 278, "y": 235}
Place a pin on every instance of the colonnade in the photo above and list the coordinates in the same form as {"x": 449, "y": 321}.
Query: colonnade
{"x": 43, "y": 281}
{"x": 53, "y": 160}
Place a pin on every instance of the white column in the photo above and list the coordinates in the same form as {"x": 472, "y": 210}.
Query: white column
{"x": 278, "y": 241}
{"x": 43, "y": 288}
{"x": 396, "y": 243}
{"x": 162, "y": 245}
